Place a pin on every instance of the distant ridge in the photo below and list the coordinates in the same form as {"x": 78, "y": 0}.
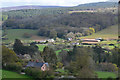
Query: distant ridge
{"x": 113, "y": 1}
{"x": 81, "y": 6}
{"x": 99, "y": 5}
{"x": 28, "y": 7}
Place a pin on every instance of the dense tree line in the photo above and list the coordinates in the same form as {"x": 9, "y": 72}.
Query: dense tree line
{"x": 73, "y": 20}
{"x": 58, "y": 25}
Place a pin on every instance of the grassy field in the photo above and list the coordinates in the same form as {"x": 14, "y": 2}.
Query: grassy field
{"x": 10, "y": 74}
{"x": 12, "y": 34}
{"x": 41, "y": 47}
{"x": 108, "y": 33}
{"x": 106, "y": 74}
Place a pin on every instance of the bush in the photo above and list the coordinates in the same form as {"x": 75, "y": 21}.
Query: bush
{"x": 37, "y": 73}
{"x": 107, "y": 67}
{"x": 34, "y": 72}
{"x": 26, "y": 35}
{"x": 14, "y": 67}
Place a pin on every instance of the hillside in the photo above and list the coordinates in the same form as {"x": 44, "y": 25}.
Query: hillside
{"x": 13, "y": 34}
{"x": 108, "y": 33}
{"x": 99, "y": 5}
{"x": 10, "y": 74}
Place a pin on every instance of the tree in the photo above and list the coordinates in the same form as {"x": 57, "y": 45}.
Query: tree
{"x": 97, "y": 27}
{"x": 70, "y": 35}
{"x": 4, "y": 17}
{"x": 64, "y": 57}
{"x": 26, "y": 35}
{"x": 8, "y": 56}
{"x": 53, "y": 34}
{"x": 38, "y": 74}
{"x": 18, "y": 47}
{"x": 78, "y": 34}
{"x": 116, "y": 56}
{"x": 49, "y": 56}
{"x": 91, "y": 30}
{"x": 59, "y": 65}
{"x": 83, "y": 64}
{"x": 99, "y": 54}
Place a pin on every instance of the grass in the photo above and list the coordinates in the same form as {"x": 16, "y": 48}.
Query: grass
{"x": 108, "y": 33}
{"x": 106, "y": 74}
{"x": 108, "y": 47}
{"x": 41, "y": 47}
{"x": 10, "y": 74}
{"x": 57, "y": 52}
{"x": 13, "y": 34}
{"x": 61, "y": 71}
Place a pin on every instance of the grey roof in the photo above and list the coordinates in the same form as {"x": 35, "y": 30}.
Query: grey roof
{"x": 34, "y": 64}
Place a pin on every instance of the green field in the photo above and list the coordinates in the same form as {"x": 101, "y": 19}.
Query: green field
{"x": 108, "y": 33}
{"x": 10, "y": 74}
{"x": 106, "y": 74}
{"x": 13, "y": 34}
{"x": 41, "y": 47}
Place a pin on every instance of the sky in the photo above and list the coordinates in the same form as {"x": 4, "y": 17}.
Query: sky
{"x": 11, "y": 3}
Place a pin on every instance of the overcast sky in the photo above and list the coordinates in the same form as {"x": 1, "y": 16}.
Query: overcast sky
{"x": 10, "y": 3}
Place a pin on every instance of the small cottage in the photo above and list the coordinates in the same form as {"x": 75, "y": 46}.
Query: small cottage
{"x": 42, "y": 66}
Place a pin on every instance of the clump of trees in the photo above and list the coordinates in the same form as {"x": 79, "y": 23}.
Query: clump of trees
{"x": 19, "y": 48}
{"x": 47, "y": 32}
{"x": 82, "y": 64}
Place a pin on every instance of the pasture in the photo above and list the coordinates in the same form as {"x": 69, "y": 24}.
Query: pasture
{"x": 108, "y": 33}
{"x": 10, "y": 74}
{"x": 13, "y": 34}
{"x": 41, "y": 47}
{"x": 106, "y": 74}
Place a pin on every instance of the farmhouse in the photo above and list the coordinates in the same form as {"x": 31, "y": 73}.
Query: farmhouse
{"x": 40, "y": 41}
{"x": 43, "y": 66}
{"x": 51, "y": 40}
{"x": 69, "y": 39}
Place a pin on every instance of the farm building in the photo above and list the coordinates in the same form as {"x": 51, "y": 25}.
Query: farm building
{"x": 43, "y": 66}
{"x": 69, "y": 39}
{"x": 90, "y": 41}
{"x": 51, "y": 40}
{"x": 40, "y": 41}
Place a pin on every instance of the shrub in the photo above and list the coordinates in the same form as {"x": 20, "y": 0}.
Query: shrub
{"x": 34, "y": 72}
{"x": 107, "y": 67}
{"x": 26, "y": 35}
{"x": 37, "y": 73}
{"x": 17, "y": 67}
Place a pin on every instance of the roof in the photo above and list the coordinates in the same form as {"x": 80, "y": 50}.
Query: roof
{"x": 47, "y": 64}
{"x": 90, "y": 42}
{"x": 35, "y": 64}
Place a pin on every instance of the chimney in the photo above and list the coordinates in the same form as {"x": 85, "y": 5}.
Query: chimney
{"x": 37, "y": 61}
